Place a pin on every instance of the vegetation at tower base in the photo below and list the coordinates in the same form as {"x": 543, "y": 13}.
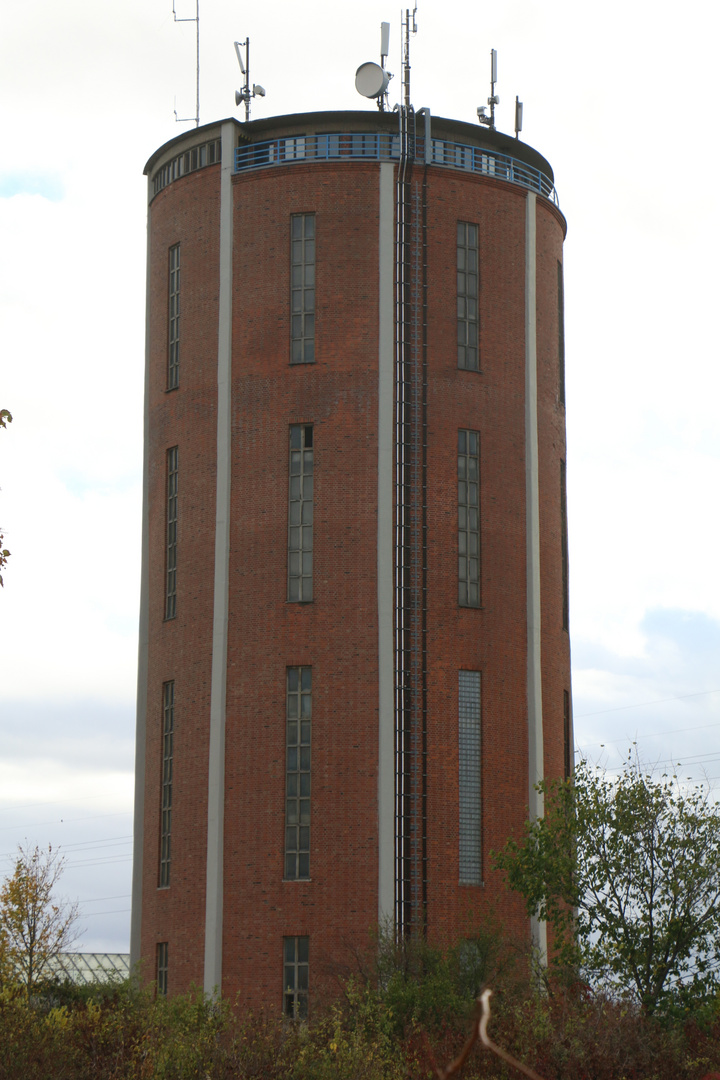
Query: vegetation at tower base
{"x": 5, "y": 419}
{"x": 626, "y": 870}
{"x": 34, "y": 925}
{"x": 367, "y": 1032}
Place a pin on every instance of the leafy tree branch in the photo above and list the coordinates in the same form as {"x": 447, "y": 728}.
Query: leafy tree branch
{"x": 626, "y": 870}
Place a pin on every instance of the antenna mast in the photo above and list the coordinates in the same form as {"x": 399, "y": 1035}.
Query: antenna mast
{"x": 247, "y": 93}
{"x": 406, "y": 53}
{"x": 196, "y": 20}
{"x": 493, "y": 100}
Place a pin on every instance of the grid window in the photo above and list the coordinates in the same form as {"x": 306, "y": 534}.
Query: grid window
{"x": 469, "y": 518}
{"x": 162, "y": 968}
{"x": 567, "y": 734}
{"x": 302, "y": 288}
{"x": 564, "y": 546}
{"x": 297, "y": 773}
{"x": 295, "y": 977}
{"x": 561, "y": 333}
{"x": 173, "y": 373}
{"x": 469, "y": 747}
{"x": 171, "y": 538}
{"x": 467, "y": 296}
{"x": 167, "y": 770}
{"x": 300, "y": 516}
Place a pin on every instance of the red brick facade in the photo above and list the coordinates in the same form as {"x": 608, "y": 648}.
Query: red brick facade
{"x": 336, "y": 634}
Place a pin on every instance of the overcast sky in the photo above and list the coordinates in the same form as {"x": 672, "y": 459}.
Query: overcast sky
{"x": 618, "y": 97}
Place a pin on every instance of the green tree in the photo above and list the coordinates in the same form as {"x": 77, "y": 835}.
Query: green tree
{"x": 626, "y": 870}
{"x": 5, "y": 419}
{"x": 34, "y": 925}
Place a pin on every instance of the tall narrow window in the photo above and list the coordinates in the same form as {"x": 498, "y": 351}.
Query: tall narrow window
{"x": 171, "y": 538}
{"x": 561, "y": 333}
{"x": 302, "y": 288}
{"x": 300, "y": 516}
{"x": 173, "y": 373}
{"x": 564, "y": 545}
{"x": 167, "y": 769}
{"x": 469, "y": 518}
{"x": 296, "y": 971}
{"x": 567, "y": 733}
{"x": 469, "y": 748}
{"x": 162, "y": 968}
{"x": 467, "y": 296}
{"x": 297, "y": 773}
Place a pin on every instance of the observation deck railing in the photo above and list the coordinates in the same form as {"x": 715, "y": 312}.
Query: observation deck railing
{"x": 384, "y": 146}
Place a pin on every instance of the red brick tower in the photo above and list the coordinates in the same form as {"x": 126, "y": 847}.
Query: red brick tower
{"x": 354, "y": 657}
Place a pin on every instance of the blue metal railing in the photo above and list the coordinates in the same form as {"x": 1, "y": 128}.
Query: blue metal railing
{"x": 384, "y": 146}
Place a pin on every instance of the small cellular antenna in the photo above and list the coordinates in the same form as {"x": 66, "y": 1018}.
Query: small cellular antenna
{"x": 196, "y": 20}
{"x": 248, "y": 92}
{"x": 493, "y": 100}
{"x": 518, "y": 116}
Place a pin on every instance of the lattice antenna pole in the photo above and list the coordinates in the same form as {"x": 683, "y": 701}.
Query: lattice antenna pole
{"x": 196, "y": 20}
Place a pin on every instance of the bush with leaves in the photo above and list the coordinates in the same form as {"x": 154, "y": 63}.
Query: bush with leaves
{"x": 626, "y": 871}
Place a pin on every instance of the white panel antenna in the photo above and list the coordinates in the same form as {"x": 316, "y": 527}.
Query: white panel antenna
{"x": 518, "y": 116}
{"x": 384, "y": 42}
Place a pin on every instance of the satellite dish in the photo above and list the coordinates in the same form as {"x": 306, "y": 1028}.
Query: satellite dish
{"x": 371, "y": 80}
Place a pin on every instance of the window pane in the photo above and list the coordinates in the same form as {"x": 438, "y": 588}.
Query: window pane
{"x": 300, "y": 494}
{"x": 470, "y": 808}
{"x": 297, "y": 811}
{"x": 302, "y": 258}
{"x": 468, "y": 531}
{"x": 467, "y": 294}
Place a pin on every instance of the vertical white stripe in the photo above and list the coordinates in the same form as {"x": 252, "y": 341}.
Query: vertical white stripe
{"x": 532, "y": 514}
{"x": 386, "y": 733}
{"x": 218, "y": 686}
{"x": 142, "y": 687}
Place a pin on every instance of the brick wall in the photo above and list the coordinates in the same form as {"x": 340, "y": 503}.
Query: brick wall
{"x": 337, "y": 633}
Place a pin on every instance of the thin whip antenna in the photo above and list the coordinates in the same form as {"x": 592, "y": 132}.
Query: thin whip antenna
{"x": 196, "y": 20}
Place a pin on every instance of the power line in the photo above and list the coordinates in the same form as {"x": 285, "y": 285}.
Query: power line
{"x": 65, "y": 821}
{"x": 89, "y": 845}
{"x": 641, "y": 704}
{"x": 653, "y": 734}
{"x": 98, "y": 899}
{"x": 92, "y": 914}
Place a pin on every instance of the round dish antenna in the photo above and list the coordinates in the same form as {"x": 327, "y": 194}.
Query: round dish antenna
{"x": 371, "y": 80}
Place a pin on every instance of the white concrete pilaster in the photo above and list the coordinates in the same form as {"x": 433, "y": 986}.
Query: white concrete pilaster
{"x": 532, "y": 515}
{"x": 218, "y": 687}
